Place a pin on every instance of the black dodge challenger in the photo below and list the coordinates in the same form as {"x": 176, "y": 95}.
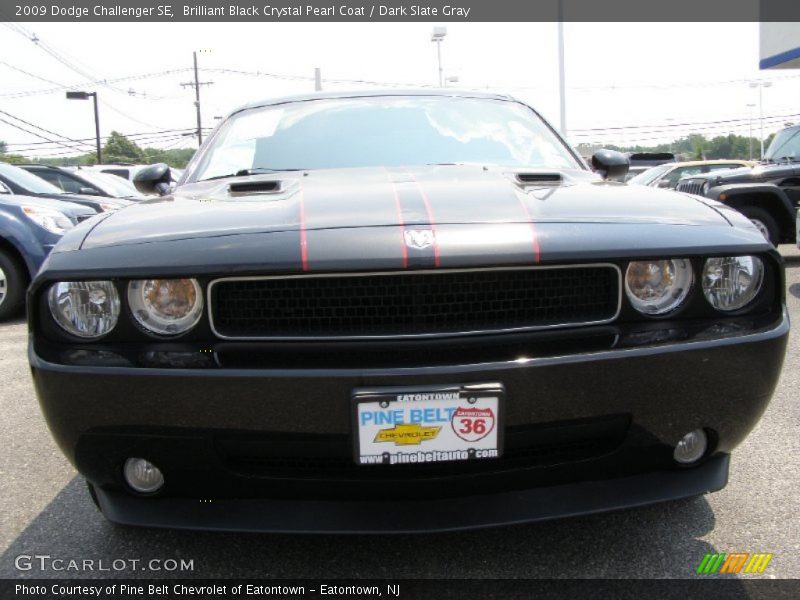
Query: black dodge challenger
{"x": 403, "y": 311}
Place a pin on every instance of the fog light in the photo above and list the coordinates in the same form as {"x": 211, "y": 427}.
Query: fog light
{"x": 692, "y": 447}
{"x": 143, "y": 476}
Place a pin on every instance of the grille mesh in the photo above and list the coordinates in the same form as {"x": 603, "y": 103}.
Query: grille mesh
{"x": 395, "y": 304}
{"x": 691, "y": 186}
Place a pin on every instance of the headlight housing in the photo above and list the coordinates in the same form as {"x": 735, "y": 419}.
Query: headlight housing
{"x": 732, "y": 282}
{"x": 658, "y": 287}
{"x": 166, "y": 307}
{"x": 50, "y": 219}
{"x": 705, "y": 188}
{"x": 85, "y": 309}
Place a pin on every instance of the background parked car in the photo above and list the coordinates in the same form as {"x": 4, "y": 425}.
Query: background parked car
{"x": 86, "y": 182}
{"x": 768, "y": 194}
{"x": 19, "y": 181}
{"x": 668, "y": 175}
{"x": 29, "y": 228}
{"x": 634, "y": 171}
{"x": 134, "y": 174}
{"x": 650, "y": 159}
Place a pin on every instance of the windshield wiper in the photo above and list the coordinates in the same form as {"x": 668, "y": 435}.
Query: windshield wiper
{"x": 252, "y": 171}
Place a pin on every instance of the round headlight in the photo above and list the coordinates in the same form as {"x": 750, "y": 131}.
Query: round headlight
{"x": 86, "y": 309}
{"x": 656, "y": 287}
{"x": 732, "y": 282}
{"x": 705, "y": 188}
{"x": 166, "y": 306}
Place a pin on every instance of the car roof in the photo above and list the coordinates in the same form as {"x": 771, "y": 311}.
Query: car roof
{"x": 374, "y": 94}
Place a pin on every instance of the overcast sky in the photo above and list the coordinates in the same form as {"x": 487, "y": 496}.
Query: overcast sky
{"x": 646, "y": 77}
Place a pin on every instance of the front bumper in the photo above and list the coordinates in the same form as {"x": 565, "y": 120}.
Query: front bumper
{"x": 250, "y": 447}
{"x": 421, "y": 516}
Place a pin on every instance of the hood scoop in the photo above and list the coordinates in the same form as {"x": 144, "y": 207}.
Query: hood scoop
{"x": 254, "y": 187}
{"x": 541, "y": 179}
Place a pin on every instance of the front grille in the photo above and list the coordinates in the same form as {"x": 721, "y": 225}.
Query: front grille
{"x": 320, "y": 456}
{"x": 414, "y": 303}
{"x": 335, "y": 467}
{"x": 691, "y": 186}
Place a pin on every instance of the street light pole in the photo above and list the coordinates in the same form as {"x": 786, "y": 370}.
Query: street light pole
{"x": 437, "y": 37}
{"x": 97, "y": 130}
{"x": 761, "y": 85}
{"x": 750, "y": 129}
{"x": 561, "y": 74}
{"x": 86, "y": 96}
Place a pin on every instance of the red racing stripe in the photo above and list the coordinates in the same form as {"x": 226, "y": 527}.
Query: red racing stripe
{"x": 436, "y": 258}
{"x": 536, "y": 249}
{"x": 303, "y": 234}
{"x": 400, "y": 219}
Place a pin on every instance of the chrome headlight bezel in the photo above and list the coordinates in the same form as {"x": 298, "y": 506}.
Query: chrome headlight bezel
{"x": 668, "y": 302}
{"x": 159, "y": 323}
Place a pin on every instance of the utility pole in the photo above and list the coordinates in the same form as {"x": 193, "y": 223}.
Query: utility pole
{"x": 196, "y": 85}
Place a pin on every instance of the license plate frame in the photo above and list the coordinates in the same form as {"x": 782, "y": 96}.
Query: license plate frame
{"x": 466, "y": 403}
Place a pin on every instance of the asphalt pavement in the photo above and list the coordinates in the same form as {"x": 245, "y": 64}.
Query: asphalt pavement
{"x": 45, "y": 511}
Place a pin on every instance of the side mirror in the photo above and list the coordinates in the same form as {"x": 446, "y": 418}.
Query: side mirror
{"x": 87, "y": 191}
{"x": 611, "y": 164}
{"x": 153, "y": 174}
{"x": 152, "y": 179}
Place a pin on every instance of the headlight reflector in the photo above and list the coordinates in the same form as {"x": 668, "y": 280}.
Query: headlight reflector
{"x": 732, "y": 282}
{"x": 86, "y": 309}
{"x": 50, "y": 219}
{"x": 166, "y": 306}
{"x": 656, "y": 287}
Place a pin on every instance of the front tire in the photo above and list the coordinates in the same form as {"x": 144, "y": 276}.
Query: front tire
{"x": 764, "y": 221}
{"x": 12, "y": 286}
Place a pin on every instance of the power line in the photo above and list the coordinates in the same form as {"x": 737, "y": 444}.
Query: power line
{"x": 137, "y": 137}
{"x": 672, "y": 125}
{"x": 9, "y": 123}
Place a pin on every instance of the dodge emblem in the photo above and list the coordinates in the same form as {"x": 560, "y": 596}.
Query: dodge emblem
{"x": 419, "y": 238}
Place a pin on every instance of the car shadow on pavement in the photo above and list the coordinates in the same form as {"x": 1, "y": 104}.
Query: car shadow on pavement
{"x": 649, "y": 542}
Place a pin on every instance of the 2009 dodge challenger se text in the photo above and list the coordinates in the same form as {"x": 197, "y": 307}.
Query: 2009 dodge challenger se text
{"x": 403, "y": 311}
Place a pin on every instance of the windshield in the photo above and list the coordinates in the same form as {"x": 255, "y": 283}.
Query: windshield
{"x": 785, "y": 145}
{"x": 650, "y": 175}
{"x": 28, "y": 181}
{"x": 382, "y": 131}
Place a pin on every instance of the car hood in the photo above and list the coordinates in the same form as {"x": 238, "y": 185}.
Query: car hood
{"x": 758, "y": 174}
{"x": 376, "y": 197}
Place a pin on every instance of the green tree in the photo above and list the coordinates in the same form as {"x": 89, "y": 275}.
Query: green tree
{"x": 118, "y": 149}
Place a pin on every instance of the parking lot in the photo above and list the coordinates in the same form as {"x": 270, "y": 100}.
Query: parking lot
{"x": 45, "y": 510}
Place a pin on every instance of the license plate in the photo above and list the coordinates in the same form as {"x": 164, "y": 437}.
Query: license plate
{"x": 397, "y": 426}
